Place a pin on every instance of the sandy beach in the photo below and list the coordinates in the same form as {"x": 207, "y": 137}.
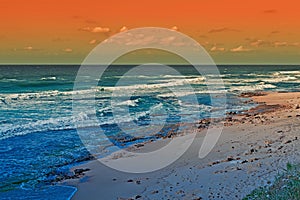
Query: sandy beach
{"x": 253, "y": 148}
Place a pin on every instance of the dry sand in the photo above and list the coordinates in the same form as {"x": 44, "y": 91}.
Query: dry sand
{"x": 251, "y": 151}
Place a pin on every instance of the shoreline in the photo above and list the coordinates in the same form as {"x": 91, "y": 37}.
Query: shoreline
{"x": 250, "y": 148}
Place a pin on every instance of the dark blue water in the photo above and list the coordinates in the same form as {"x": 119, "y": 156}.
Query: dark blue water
{"x": 38, "y": 139}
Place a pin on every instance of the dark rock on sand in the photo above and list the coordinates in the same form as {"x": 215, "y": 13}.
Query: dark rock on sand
{"x": 80, "y": 171}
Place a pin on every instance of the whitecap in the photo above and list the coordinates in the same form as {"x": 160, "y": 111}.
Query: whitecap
{"x": 48, "y": 78}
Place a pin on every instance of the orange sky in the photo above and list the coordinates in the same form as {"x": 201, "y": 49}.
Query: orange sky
{"x": 232, "y": 31}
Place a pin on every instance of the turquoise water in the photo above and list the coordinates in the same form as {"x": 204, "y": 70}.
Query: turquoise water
{"x": 38, "y": 139}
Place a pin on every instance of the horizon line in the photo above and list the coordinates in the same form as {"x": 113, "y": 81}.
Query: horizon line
{"x": 129, "y": 64}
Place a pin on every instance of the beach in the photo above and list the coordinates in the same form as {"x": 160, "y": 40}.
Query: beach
{"x": 253, "y": 148}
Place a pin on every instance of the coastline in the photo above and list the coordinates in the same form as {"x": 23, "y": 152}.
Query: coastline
{"x": 252, "y": 149}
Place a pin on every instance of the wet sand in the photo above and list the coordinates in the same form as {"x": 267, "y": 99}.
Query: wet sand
{"x": 251, "y": 151}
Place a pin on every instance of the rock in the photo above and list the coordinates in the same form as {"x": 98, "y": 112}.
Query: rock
{"x": 288, "y": 141}
{"x": 214, "y": 163}
{"x": 281, "y": 137}
{"x": 198, "y": 198}
{"x": 252, "y": 94}
{"x": 139, "y": 145}
{"x": 244, "y": 161}
{"x": 269, "y": 151}
{"x": 204, "y": 123}
{"x": 230, "y": 158}
{"x": 80, "y": 171}
{"x": 268, "y": 142}
{"x": 180, "y": 192}
{"x": 251, "y": 151}
{"x": 253, "y": 159}
{"x": 231, "y": 113}
{"x": 296, "y": 138}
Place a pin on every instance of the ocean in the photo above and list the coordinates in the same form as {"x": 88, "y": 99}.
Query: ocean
{"x": 38, "y": 137}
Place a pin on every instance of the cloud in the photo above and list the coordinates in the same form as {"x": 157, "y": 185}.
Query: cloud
{"x": 280, "y": 44}
{"x": 28, "y": 48}
{"x": 224, "y": 29}
{"x": 214, "y": 49}
{"x": 258, "y": 43}
{"x": 296, "y": 44}
{"x": 100, "y": 30}
{"x": 96, "y": 29}
{"x": 93, "y": 41}
{"x": 141, "y": 40}
{"x": 68, "y": 50}
{"x": 240, "y": 49}
{"x": 270, "y": 11}
{"x": 175, "y": 28}
{"x": 205, "y": 43}
{"x": 124, "y": 28}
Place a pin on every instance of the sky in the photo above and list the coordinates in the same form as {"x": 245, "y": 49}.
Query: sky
{"x": 232, "y": 31}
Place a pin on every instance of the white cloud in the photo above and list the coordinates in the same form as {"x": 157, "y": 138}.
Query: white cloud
{"x": 240, "y": 49}
{"x": 100, "y": 30}
{"x": 224, "y": 29}
{"x": 124, "y": 28}
{"x": 280, "y": 44}
{"x": 214, "y": 48}
{"x": 68, "y": 50}
{"x": 175, "y": 28}
{"x": 96, "y": 29}
{"x": 140, "y": 40}
{"x": 297, "y": 44}
{"x": 28, "y": 48}
{"x": 257, "y": 43}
